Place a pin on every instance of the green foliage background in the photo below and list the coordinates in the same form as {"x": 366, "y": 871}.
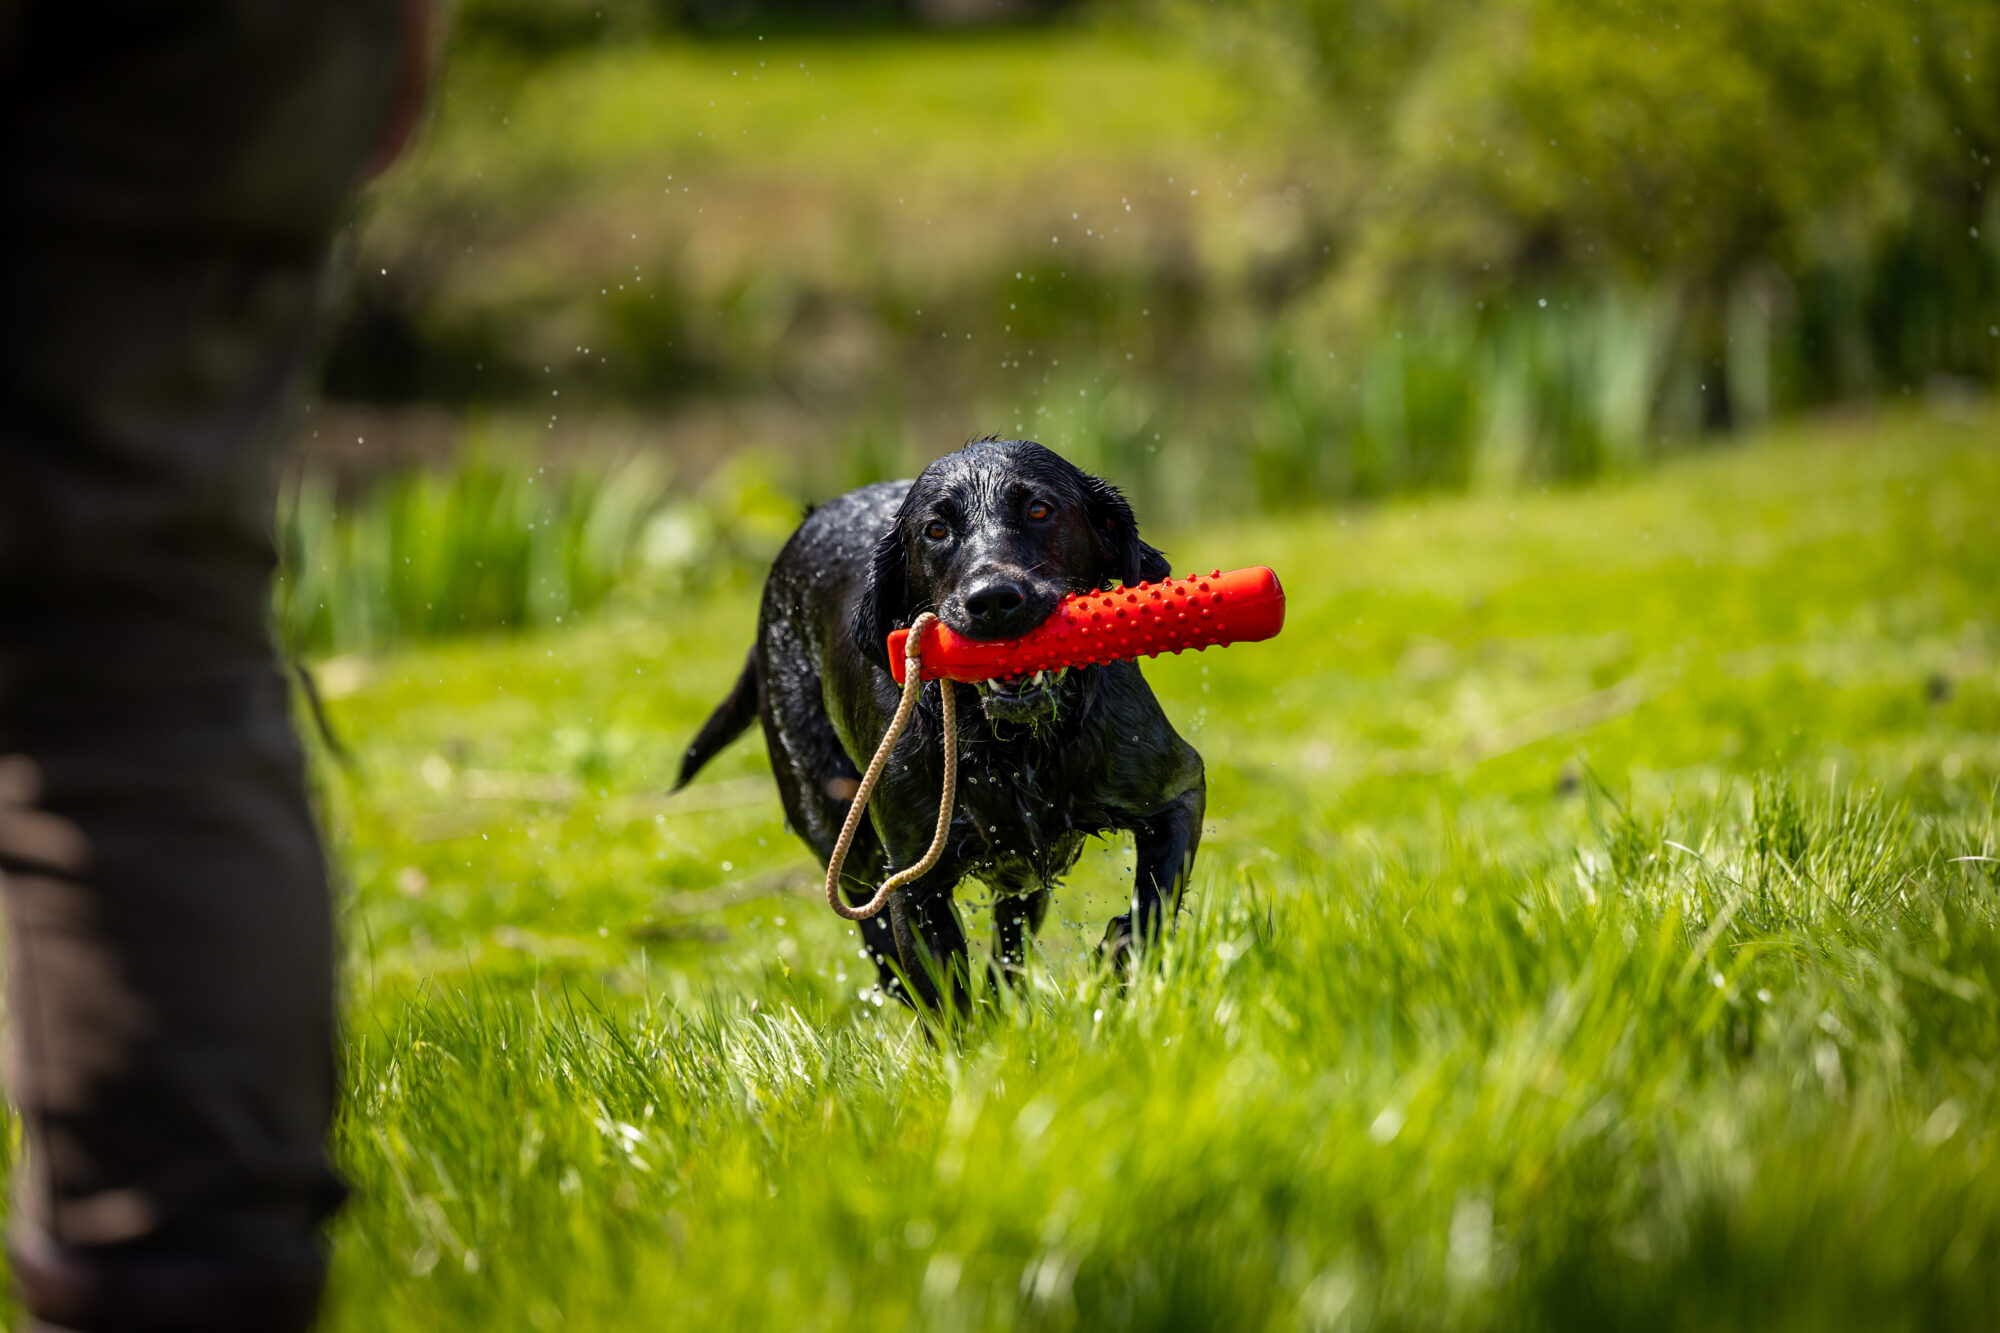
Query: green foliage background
{"x": 1256, "y": 254}
{"x": 1821, "y": 167}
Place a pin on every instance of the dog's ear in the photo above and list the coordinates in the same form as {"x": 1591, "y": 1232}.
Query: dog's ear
{"x": 885, "y": 601}
{"x": 1125, "y": 557}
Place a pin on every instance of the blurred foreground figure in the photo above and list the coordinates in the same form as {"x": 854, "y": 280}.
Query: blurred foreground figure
{"x": 171, "y": 175}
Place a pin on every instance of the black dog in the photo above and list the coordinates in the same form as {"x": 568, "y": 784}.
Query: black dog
{"x": 991, "y": 538}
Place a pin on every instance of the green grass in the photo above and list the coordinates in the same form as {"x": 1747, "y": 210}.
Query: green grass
{"x": 1584, "y": 937}
{"x": 972, "y": 107}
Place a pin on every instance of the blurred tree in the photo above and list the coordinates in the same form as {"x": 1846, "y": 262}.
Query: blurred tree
{"x": 1731, "y": 150}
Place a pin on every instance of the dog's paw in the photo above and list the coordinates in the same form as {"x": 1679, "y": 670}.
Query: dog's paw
{"x": 1118, "y": 945}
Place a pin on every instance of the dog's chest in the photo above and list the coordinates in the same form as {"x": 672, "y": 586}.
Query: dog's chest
{"x": 1022, "y": 817}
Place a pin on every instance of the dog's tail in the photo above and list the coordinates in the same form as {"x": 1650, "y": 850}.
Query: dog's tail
{"x": 731, "y": 718}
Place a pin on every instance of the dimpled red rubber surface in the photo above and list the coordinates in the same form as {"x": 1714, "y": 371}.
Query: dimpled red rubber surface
{"x": 1199, "y": 611}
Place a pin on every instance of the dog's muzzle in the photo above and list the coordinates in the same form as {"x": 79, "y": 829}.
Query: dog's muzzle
{"x": 1024, "y": 698}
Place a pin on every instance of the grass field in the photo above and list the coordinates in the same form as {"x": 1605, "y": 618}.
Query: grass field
{"x": 1596, "y": 926}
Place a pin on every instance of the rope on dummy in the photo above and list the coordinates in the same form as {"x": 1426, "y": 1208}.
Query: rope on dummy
{"x": 913, "y": 684}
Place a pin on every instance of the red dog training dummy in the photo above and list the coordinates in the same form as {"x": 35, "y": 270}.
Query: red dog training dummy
{"x": 1199, "y": 611}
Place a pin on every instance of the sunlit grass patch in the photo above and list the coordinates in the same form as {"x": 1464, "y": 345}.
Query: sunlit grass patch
{"x": 1596, "y": 925}
{"x": 1445, "y": 1090}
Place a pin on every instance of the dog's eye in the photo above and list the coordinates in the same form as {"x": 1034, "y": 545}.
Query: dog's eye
{"x": 937, "y": 531}
{"x": 1038, "y": 510}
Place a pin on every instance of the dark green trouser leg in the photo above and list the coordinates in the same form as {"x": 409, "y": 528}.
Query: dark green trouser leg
{"x": 174, "y": 171}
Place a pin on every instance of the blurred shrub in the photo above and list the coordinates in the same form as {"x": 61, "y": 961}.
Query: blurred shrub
{"x": 1810, "y": 184}
{"x": 1402, "y": 415}
{"x": 480, "y": 546}
{"x": 1554, "y": 389}
{"x": 497, "y": 541}
{"x": 1676, "y": 139}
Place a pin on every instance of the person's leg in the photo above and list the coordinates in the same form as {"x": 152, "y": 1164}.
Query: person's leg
{"x": 170, "y": 179}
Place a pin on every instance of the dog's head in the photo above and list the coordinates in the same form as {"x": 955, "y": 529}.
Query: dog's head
{"x": 992, "y": 538}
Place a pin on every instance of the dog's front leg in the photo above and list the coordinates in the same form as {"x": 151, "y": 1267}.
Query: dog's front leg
{"x": 1166, "y": 842}
{"x": 930, "y": 943}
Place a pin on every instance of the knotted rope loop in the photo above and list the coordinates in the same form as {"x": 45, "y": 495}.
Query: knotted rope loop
{"x": 913, "y": 684}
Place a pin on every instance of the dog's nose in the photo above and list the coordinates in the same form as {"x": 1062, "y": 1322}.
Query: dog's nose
{"x": 992, "y": 606}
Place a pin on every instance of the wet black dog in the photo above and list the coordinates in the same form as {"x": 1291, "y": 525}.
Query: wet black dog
{"x": 991, "y": 538}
